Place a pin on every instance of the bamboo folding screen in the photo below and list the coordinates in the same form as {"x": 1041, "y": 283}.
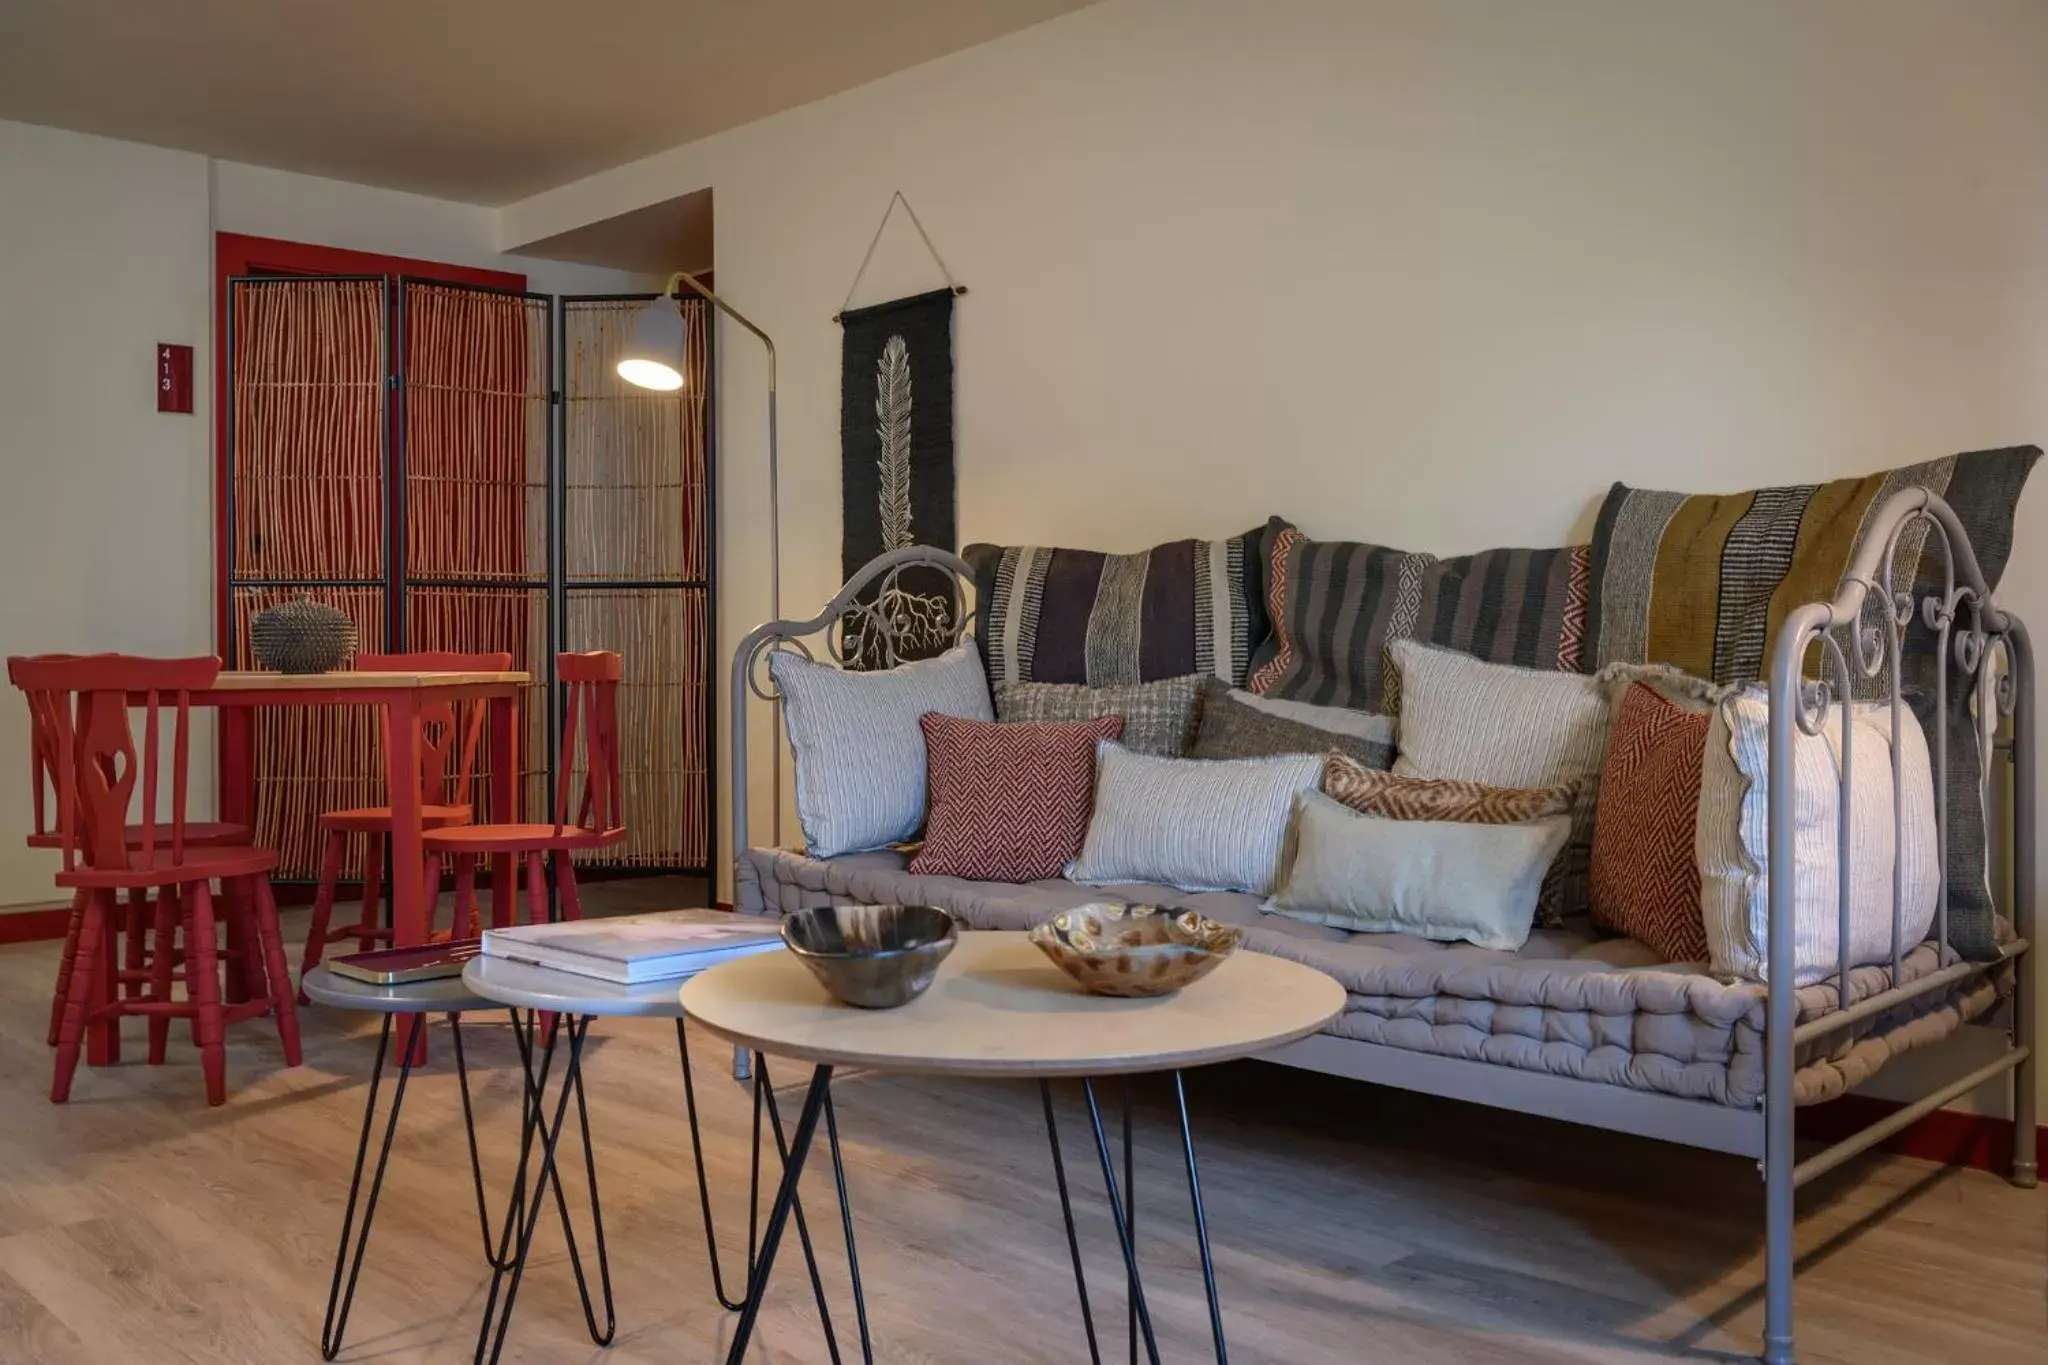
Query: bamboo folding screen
{"x": 460, "y": 468}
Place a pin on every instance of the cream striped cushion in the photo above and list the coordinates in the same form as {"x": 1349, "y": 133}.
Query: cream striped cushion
{"x": 860, "y": 775}
{"x": 1733, "y": 839}
{"x": 1507, "y": 727}
{"x": 1197, "y": 824}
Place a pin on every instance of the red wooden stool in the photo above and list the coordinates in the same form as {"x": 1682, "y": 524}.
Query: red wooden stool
{"x": 441, "y": 804}
{"x": 593, "y": 712}
{"x": 85, "y": 702}
{"x": 134, "y": 971}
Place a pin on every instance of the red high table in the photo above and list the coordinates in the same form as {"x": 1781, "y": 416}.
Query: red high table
{"x": 238, "y": 693}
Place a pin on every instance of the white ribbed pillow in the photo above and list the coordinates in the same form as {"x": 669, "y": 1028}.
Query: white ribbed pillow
{"x": 1193, "y": 823}
{"x": 860, "y": 777}
{"x": 1507, "y": 727}
{"x": 1732, "y": 840}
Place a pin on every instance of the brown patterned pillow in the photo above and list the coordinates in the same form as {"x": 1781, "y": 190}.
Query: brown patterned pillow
{"x": 1645, "y": 878}
{"x": 1393, "y": 797}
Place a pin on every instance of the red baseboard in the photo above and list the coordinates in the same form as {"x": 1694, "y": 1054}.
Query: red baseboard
{"x": 30, "y": 926}
{"x": 1946, "y": 1135}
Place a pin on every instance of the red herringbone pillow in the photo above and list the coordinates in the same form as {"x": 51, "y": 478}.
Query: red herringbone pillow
{"x": 1645, "y": 879}
{"x": 1009, "y": 803}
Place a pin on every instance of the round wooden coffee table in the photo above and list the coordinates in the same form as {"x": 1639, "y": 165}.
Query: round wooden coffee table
{"x": 999, "y": 1008}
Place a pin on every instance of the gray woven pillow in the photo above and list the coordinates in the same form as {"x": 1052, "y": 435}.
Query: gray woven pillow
{"x": 1159, "y": 717}
{"x": 1196, "y": 825}
{"x": 1232, "y": 727}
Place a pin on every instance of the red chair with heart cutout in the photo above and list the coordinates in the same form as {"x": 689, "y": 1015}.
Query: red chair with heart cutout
{"x": 591, "y": 715}
{"x": 101, "y": 773}
{"x": 445, "y": 800}
{"x": 134, "y": 972}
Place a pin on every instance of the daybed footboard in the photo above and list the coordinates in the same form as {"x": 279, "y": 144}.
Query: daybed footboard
{"x": 1884, "y": 609}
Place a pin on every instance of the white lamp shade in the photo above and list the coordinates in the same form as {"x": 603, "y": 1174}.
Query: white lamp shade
{"x": 653, "y": 358}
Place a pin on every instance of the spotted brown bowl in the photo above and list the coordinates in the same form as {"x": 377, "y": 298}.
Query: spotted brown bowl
{"x": 1134, "y": 950}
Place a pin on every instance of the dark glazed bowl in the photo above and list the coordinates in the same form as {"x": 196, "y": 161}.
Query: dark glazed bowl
{"x": 873, "y": 956}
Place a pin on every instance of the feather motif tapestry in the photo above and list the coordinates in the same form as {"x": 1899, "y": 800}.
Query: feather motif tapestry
{"x": 896, "y": 472}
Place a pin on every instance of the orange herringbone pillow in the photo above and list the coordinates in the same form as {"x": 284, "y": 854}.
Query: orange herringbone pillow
{"x": 1645, "y": 879}
{"x": 1392, "y": 797}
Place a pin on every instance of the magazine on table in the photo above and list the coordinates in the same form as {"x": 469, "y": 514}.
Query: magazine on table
{"x": 628, "y": 950}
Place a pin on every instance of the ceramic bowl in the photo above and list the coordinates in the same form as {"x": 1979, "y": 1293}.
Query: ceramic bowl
{"x": 1134, "y": 950}
{"x": 873, "y": 956}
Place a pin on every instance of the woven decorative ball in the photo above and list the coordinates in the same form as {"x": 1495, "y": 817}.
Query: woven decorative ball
{"x": 302, "y": 636}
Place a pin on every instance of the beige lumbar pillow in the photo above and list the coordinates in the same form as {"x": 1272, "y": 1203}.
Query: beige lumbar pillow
{"x": 1437, "y": 879}
{"x": 1505, "y": 726}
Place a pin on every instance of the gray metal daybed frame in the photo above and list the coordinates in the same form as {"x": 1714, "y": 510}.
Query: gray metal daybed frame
{"x": 1966, "y": 626}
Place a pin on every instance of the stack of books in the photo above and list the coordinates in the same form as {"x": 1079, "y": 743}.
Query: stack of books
{"x": 631, "y": 950}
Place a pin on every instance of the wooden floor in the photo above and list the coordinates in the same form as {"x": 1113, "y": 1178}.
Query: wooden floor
{"x": 1350, "y": 1224}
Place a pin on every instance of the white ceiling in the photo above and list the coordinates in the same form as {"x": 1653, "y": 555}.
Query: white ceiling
{"x": 483, "y": 101}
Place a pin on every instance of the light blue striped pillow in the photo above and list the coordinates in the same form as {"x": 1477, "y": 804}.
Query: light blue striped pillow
{"x": 1193, "y": 823}
{"x": 860, "y": 777}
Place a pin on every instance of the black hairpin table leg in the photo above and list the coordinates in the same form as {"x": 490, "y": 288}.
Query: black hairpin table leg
{"x": 339, "y": 1299}
{"x": 515, "y": 1238}
{"x": 764, "y": 1098}
{"x": 1123, "y": 1226}
{"x": 1059, "y": 1175}
{"x": 1187, "y": 1146}
{"x": 794, "y": 1156}
{"x": 1123, "y": 1213}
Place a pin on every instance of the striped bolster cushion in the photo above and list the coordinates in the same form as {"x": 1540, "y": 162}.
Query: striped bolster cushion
{"x": 1336, "y": 605}
{"x": 1081, "y": 616}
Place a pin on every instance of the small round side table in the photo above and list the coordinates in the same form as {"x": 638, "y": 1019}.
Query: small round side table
{"x": 559, "y": 1003}
{"x": 998, "y": 1007}
{"x": 447, "y": 996}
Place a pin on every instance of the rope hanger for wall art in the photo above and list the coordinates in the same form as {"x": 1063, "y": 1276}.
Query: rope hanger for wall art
{"x": 952, "y": 284}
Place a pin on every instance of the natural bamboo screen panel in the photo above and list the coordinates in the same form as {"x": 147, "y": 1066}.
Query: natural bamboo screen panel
{"x": 312, "y": 759}
{"x": 636, "y": 560}
{"x": 308, "y": 424}
{"x": 308, "y": 414}
{"x": 481, "y": 619}
{"x": 664, "y": 764}
{"x": 476, "y": 388}
{"x": 633, "y": 465}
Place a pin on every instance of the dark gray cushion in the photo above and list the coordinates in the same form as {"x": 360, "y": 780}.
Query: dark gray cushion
{"x": 1231, "y": 728}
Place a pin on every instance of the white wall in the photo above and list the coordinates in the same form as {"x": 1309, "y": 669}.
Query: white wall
{"x": 106, "y": 520}
{"x": 106, "y": 513}
{"x": 1428, "y": 272}
{"x": 262, "y": 202}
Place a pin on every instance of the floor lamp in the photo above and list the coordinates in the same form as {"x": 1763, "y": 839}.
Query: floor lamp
{"x": 654, "y": 359}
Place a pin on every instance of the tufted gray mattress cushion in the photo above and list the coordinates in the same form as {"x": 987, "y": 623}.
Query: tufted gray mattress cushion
{"x": 1567, "y": 1003}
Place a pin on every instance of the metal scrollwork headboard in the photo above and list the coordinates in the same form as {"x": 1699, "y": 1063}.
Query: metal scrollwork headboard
{"x": 881, "y": 618}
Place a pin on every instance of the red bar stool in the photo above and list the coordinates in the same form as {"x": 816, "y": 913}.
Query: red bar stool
{"x": 592, "y": 711}
{"x": 134, "y": 972}
{"x": 441, "y": 804}
{"x": 86, "y": 702}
